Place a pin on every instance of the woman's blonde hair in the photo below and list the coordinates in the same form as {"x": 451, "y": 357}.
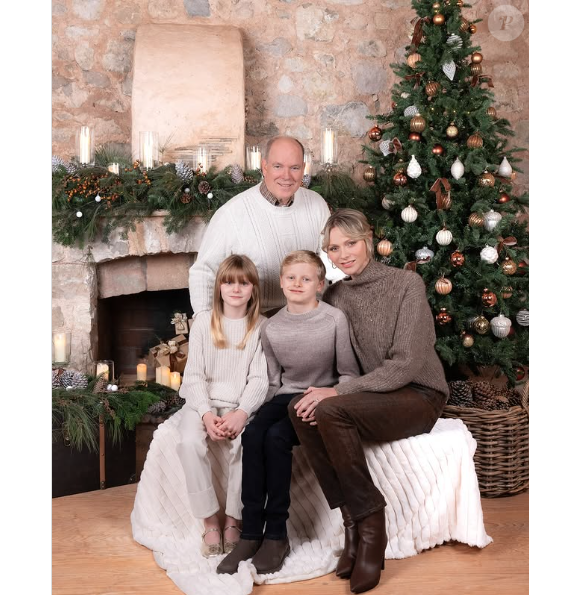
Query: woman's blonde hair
{"x": 235, "y": 268}
{"x": 306, "y": 257}
{"x": 352, "y": 224}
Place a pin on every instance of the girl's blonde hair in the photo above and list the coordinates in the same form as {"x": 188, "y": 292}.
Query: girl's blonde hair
{"x": 235, "y": 268}
{"x": 306, "y": 257}
{"x": 352, "y": 224}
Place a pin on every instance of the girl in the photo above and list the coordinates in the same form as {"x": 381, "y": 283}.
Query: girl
{"x": 224, "y": 383}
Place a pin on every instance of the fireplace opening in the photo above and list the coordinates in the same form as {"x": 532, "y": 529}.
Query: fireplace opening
{"x": 129, "y": 325}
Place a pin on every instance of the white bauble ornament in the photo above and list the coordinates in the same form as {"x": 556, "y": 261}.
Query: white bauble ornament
{"x": 491, "y": 219}
{"x": 387, "y": 203}
{"x": 500, "y": 326}
{"x": 523, "y": 318}
{"x": 385, "y": 146}
{"x": 114, "y": 388}
{"x": 404, "y": 95}
{"x": 413, "y": 169}
{"x": 449, "y": 69}
{"x": 210, "y": 194}
{"x": 409, "y": 214}
{"x": 455, "y": 41}
{"x": 444, "y": 237}
{"x": 98, "y": 198}
{"x": 457, "y": 169}
{"x": 69, "y": 388}
{"x": 489, "y": 254}
{"x": 424, "y": 255}
{"x": 505, "y": 169}
{"x": 79, "y": 214}
{"x": 411, "y": 111}
{"x": 109, "y": 386}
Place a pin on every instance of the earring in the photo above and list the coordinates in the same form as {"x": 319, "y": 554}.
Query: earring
{"x": 333, "y": 265}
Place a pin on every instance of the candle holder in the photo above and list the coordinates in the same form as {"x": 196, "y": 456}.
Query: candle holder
{"x": 201, "y": 159}
{"x": 328, "y": 148}
{"x": 253, "y": 158}
{"x": 106, "y": 367}
{"x": 85, "y": 145}
{"x": 60, "y": 348}
{"x": 149, "y": 149}
{"x": 113, "y": 168}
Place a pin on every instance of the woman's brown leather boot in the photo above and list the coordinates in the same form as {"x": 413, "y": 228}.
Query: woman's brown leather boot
{"x": 348, "y": 556}
{"x": 370, "y": 556}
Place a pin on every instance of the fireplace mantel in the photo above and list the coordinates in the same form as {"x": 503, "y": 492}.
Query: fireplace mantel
{"x": 149, "y": 259}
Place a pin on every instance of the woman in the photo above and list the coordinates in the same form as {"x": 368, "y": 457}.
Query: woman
{"x": 401, "y": 392}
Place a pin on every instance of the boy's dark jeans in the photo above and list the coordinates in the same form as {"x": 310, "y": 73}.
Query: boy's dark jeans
{"x": 334, "y": 447}
{"x": 267, "y": 443}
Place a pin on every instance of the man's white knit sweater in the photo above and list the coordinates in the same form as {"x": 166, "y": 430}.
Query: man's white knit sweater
{"x": 248, "y": 224}
{"x": 229, "y": 377}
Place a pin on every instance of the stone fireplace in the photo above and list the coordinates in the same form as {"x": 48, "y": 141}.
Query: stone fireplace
{"x": 147, "y": 260}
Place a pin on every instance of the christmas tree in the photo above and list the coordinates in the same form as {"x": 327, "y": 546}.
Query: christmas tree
{"x": 443, "y": 173}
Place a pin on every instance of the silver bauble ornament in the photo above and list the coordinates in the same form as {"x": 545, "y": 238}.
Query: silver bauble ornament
{"x": 457, "y": 169}
{"x": 424, "y": 255}
{"x": 489, "y": 254}
{"x": 500, "y": 326}
{"x": 523, "y": 318}
{"x": 491, "y": 219}
{"x": 413, "y": 169}
{"x": 505, "y": 169}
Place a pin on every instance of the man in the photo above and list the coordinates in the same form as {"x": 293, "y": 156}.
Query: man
{"x": 266, "y": 222}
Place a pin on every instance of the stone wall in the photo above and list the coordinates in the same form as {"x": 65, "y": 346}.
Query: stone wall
{"x": 305, "y": 63}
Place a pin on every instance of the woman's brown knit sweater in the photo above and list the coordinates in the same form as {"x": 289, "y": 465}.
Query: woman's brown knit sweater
{"x": 391, "y": 329}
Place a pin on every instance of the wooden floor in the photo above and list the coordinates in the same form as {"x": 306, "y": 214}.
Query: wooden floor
{"x": 94, "y": 553}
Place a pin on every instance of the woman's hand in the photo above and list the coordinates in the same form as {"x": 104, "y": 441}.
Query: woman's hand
{"x": 306, "y": 407}
{"x": 212, "y": 424}
{"x": 233, "y": 423}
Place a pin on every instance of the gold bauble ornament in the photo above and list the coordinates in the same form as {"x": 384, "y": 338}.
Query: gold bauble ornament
{"x": 415, "y": 137}
{"x": 432, "y": 88}
{"x": 476, "y": 58}
{"x": 438, "y": 19}
{"x": 488, "y": 298}
{"x": 464, "y": 25}
{"x": 472, "y": 28}
{"x": 457, "y": 259}
{"x": 370, "y": 174}
{"x": 443, "y": 317}
{"x": 400, "y": 179}
{"x": 443, "y": 286}
{"x": 491, "y": 112}
{"x": 475, "y": 69}
{"x": 486, "y": 180}
{"x": 452, "y": 131}
{"x": 481, "y": 325}
{"x": 418, "y": 123}
{"x": 375, "y": 133}
{"x": 475, "y": 141}
{"x": 384, "y": 247}
{"x": 508, "y": 266}
{"x": 437, "y": 150}
{"x": 475, "y": 220}
{"x": 436, "y": 6}
{"x": 467, "y": 340}
{"x": 413, "y": 58}
{"x": 507, "y": 292}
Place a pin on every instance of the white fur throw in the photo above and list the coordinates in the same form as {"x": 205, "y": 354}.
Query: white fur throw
{"x": 428, "y": 481}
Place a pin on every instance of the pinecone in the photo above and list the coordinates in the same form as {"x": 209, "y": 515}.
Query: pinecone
{"x": 100, "y": 385}
{"x": 57, "y": 163}
{"x": 66, "y": 378}
{"x": 306, "y": 179}
{"x": 514, "y": 398}
{"x": 184, "y": 171}
{"x": 71, "y": 168}
{"x": 237, "y": 174}
{"x": 204, "y": 187}
{"x": 460, "y": 393}
{"x": 174, "y": 400}
{"x": 157, "y": 408}
{"x": 489, "y": 397}
{"x": 72, "y": 379}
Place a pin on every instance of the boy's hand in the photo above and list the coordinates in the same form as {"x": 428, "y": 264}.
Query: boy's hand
{"x": 212, "y": 424}
{"x": 306, "y": 407}
{"x": 233, "y": 423}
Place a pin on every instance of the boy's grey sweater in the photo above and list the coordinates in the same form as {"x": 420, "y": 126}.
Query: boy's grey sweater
{"x": 310, "y": 349}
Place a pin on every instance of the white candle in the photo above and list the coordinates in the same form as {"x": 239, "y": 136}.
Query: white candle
{"x": 202, "y": 161}
{"x": 85, "y": 145}
{"x": 158, "y": 375}
{"x": 103, "y": 369}
{"x": 148, "y": 153}
{"x": 307, "y": 163}
{"x": 142, "y": 372}
{"x": 114, "y": 168}
{"x": 328, "y": 154}
{"x": 175, "y": 380}
{"x": 165, "y": 380}
{"x": 256, "y": 159}
{"x": 60, "y": 347}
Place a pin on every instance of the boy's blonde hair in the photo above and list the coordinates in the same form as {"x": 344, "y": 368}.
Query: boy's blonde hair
{"x": 235, "y": 268}
{"x": 307, "y": 257}
{"x": 353, "y": 224}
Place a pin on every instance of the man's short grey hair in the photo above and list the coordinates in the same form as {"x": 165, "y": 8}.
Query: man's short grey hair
{"x": 274, "y": 139}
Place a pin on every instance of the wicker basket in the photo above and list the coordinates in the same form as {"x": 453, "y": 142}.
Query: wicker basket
{"x": 502, "y": 456}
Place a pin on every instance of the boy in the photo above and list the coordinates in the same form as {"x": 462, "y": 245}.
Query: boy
{"x": 306, "y": 344}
